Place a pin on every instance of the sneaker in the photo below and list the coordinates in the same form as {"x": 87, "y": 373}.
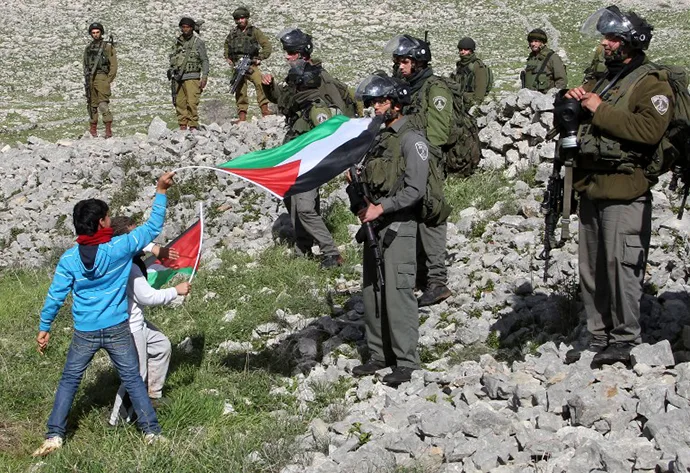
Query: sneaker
{"x": 614, "y": 353}
{"x": 368, "y": 368}
{"x": 433, "y": 295}
{"x": 49, "y": 446}
{"x": 152, "y": 439}
{"x": 595, "y": 346}
{"x": 400, "y": 374}
{"x": 332, "y": 261}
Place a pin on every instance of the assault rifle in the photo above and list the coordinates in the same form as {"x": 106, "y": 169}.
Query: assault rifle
{"x": 359, "y": 194}
{"x": 175, "y": 78}
{"x": 552, "y": 208}
{"x": 91, "y": 73}
{"x": 241, "y": 70}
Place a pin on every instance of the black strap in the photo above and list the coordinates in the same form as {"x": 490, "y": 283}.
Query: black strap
{"x": 542, "y": 68}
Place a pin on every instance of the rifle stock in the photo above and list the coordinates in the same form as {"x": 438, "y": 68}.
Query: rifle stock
{"x": 241, "y": 70}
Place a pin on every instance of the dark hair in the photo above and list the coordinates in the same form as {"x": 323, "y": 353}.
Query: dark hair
{"x": 121, "y": 224}
{"x": 86, "y": 215}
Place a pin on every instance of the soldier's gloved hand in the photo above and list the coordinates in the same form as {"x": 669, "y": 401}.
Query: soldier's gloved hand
{"x": 202, "y": 84}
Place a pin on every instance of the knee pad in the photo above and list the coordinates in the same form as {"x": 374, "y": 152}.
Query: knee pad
{"x": 103, "y": 108}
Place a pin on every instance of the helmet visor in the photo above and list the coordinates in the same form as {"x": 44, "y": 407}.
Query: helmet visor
{"x": 401, "y": 45}
{"x": 605, "y": 21}
{"x": 372, "y": 87}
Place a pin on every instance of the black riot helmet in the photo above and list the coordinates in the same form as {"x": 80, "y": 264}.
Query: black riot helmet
{"x": 404, "y": 45}
{"x": 96, "y": 26}
{"x": 295, "y": 40}
{"x": 628, "y": 26}
{"x": 304, "y": 75}
{"x": 380, "y": 86}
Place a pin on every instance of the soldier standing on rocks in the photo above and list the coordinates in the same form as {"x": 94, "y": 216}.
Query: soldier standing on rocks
{"x": 189, "y": 72}
{"x": 471, "y": 72}
{"x": 247, "y": 40}
{"x": 401, "y": 154}
{"x": 431, "y": 111}
{"x": 544, "y": 69}
{"x": 308, "y": 96}
{"x": 100, "y": 69}
{"x": 626, "y": 114}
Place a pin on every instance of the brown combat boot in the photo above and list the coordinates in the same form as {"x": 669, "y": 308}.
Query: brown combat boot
{"x": 242, "y": 116}
{"x": 265, "y": 111}
{"x": 108, "y": 130}
{"x": 94, "y": 130}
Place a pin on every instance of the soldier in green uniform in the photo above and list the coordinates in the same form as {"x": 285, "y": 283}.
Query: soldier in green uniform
{"x": 544, "y": 69}
{"x": 400, "y": 153}
{"x": 100, "y": 69}
{"x": 627, "y": 112}
{"x": 189, "y": 59}
{"x": 597, "y": 69}
{"x": 431, "y": 111}
{"x": 248, "y": 40}
{"x": 471, "y": 72}
{"x": 307, "y": 97}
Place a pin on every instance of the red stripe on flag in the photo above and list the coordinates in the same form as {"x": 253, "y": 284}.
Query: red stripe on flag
{"x": 187, "y": 245}
{"x": 278, "y": 179}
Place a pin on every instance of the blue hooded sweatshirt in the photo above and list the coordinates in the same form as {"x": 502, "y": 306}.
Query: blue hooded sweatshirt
{"x": 99, "y": 286}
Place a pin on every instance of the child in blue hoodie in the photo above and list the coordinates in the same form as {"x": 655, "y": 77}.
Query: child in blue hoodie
{"x": 96, "y": 272}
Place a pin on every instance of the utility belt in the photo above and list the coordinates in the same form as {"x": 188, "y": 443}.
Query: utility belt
{"x": 391, "y": 223}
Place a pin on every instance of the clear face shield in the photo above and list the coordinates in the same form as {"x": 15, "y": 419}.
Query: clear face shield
{"x": 400, "y": 45}
{"x": 372, "y": 87}
{"x": 284, "y": 34}
{"x": 606, "y": 21}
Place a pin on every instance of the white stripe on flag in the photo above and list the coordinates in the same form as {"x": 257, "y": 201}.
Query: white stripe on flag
{"x": 313, "y": 154}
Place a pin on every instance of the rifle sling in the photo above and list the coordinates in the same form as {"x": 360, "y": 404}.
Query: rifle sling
{"x": 92, "y": 73}
{"x": 542, "y": 68}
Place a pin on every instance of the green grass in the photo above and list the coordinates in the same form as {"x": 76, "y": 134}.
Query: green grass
{"x": 198, "y": 386}
{"x": 481, "y": 190}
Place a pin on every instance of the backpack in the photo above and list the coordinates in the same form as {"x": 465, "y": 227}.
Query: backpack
{"x": 673, "y": 149}
{"x": 489, "y": 74}
{"x": 461, "y": 153}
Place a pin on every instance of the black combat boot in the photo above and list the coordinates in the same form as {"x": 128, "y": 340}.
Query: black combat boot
{"x": 596, "y": 345}
{"x": 400, "y": 374}
{"x": 614, "y": 353}
{"x": 434, "y": 294}
{"x": 331, "y": 261}
{"x": 368, "y": 368}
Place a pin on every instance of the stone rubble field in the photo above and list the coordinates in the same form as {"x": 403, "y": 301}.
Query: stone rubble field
{"x": 495, "y": 394}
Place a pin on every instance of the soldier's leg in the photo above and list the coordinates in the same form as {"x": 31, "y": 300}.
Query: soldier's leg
{"x": 307, "y": 209}
{"x": 102, "y": 96}
{"x": 241, "y": 96}
{"x": 372, "y": 309}
{"x": 593, "y": 270}
{"x": 433, "y": 243}
{"x": 303, "y": 240}
{"x": 401, "y": 304}
{"x": 255, "y": 78}
{"x": 181, "y": 105}
{"x": 627, "y": 232}
{"x": 193, "y": 96}
{"x": 93, "y": 105}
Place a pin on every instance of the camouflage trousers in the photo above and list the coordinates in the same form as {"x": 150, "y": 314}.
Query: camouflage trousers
{"x": 187, "y": 102}
{"x": 242, "y": 95}
{"x": 100, "y": 99}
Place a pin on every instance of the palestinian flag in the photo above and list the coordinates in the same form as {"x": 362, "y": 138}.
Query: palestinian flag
{"x": 188, "y": 245}
{"x": 311, "y": 159}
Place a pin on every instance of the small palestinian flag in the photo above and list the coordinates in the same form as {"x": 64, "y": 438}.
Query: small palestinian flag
{"x": 188, "y": 245}
{"x": 311, "y": 159}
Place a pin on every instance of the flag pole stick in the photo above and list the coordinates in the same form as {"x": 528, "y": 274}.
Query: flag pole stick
{"x": 201, "y": 240}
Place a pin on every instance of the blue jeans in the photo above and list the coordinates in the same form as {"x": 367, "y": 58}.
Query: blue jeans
{"x": 118, "y": 342}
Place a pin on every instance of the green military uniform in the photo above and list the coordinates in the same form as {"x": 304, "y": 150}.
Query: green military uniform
{"x": 392, "y": 334}
{"x": 597, "y": 69}
{"x": 472, "y": 73}
{"x": 100, "y": 58}
{"x": 544, "y": 71}
{"x": 189, "y": 56}
{"x": 252, "y": 42}
{"x": 615, "y": 202}
{"x": 303, "y": 110}
{"x": 431, "y": 111}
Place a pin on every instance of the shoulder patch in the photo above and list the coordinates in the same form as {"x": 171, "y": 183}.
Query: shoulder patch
{"x": 321, "y": 117}
{"x": 440, "y": 102}
{"x": 422, "y": 150}
{"x": 660, "y": 103}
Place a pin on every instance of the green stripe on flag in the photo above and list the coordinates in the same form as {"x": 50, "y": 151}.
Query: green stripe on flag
{"x": 158, "y": 278}
{"x": 268, "y": 158}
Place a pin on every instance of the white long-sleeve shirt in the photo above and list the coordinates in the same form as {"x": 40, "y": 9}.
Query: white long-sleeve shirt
{"x": 140, "y": 293}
